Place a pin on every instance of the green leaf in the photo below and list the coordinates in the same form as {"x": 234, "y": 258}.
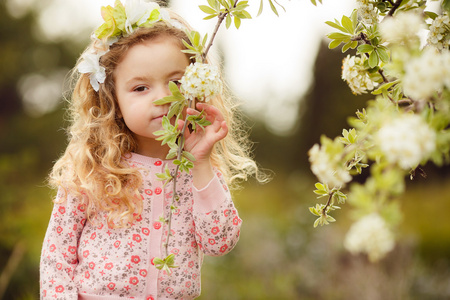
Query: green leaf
{"x": 382, "y": 7}
{"x": 383, "y": 54}
{"x": 334, "y": 43}
{"x": 346, "y": 47}
{"x": 320, "y": 186}
{"x": 166, "y": 176}
{"x": 205, "y": 39}
{"x": 176, "y": 108}
{"x": 237, "y": 22}
{"x": 338, "y": 35}
{"x": 430, "y": 14}
{"x": 206, "y": 9}
{"x": 336, "y": 25}
{"x": 214, "y": 4}
{"x": 165, "y": 264}
{"x": 316, "y": 223}
{"x": 373, "y": 59}
{"x": 365, "y": 48}
{"x": 165, "y": 100}
{"x": 330, "y": 219}
{"x": 188, "y": 155}
{"x": 210, "y": 17}
{"x": 347, "y": 23}
{"x": 320, "y": 192}
{"x": 313, "y": 211}
{"x": 195, "y": 38}
{"x": 172, "y": 152}
{"x": 119, "y": 15}
{"x": 107, "y": 28}
{"x": 446, "y": 5}
{"x": 228, "y": 21}
{"x": 274, "y": 9}
{"x": 261, "y": 4}
{"x": 384, "y": 87}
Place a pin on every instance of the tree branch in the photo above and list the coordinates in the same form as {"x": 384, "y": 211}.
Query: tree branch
{"x": 394, "y": 8}
{"x": 220, "y": 19}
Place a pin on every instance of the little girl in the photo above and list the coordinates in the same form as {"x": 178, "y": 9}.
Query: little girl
{"x": 110, "y": 218}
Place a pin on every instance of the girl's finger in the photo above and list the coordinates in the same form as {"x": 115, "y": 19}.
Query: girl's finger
{"x": 191, "y": 111}
{"x": 211, "y": 111}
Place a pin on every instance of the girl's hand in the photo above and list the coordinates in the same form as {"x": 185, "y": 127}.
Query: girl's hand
{"x": 201, "y": 142}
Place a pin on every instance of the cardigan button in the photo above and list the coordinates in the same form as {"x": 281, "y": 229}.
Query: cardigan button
{"x": 158, "y": 191}
{"x": 150, "y": 298}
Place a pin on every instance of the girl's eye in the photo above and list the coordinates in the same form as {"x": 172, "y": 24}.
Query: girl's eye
{"x": 177, "y": 82}
{"x": 140, "y": 89}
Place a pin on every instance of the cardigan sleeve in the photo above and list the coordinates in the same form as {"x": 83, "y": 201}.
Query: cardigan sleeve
{"x": 59, "y": 256}
{"x": 217, "y": 222}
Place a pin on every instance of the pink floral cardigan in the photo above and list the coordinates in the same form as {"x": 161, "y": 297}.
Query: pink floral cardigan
{"x": 81, "y": 260}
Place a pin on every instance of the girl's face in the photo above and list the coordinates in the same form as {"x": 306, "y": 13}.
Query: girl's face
{"x": 142, "y": 77}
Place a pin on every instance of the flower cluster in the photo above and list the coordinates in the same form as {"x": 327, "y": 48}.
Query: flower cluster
{"x": 404, "y": 28}
{"x": 328, "y": 168}
{"x": 427, "y": 74}
{"x": 200, "y": 81}
{"x": 120, "y": 21}
{"x": 406, "y": 140}
{"x": 356, "y": 75}
{"x": 370, "y": 235}
{"x": 439, "y": 35}
{"x": 367, "y": 12}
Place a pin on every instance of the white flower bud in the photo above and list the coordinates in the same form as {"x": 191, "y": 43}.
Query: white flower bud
{"x": 356, "y": 75}
{"x": 406, "y": 140}
{"x": 327, "y": 169}
{"x": 370, "y": 235}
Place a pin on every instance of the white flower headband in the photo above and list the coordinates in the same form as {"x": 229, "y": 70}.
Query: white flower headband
{"x": 120, "y": 21}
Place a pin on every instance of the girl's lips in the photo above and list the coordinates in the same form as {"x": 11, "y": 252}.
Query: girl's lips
{"x": 159, "y": 117}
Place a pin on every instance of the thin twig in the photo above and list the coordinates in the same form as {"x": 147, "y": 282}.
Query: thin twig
{"x": 174, "y": 176}
{"x": 324, "y": 210}
{"x": 220, "y": 19}
{"x": 11, "y": 266}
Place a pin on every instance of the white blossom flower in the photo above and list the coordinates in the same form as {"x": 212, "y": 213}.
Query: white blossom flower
{"x": 370, "y": 235}
{"x": 327, "y": 169}
{"x": 367, "y": 12}
{"x": 439, "y": 34}
{"x": 445, "y": 56}
{"x": 424, "y": 74}
{"x": 200, "y": 81}
{"x": 403, "y": 27}
{"x": 137, "y": 12}
{"x": 90, "y": 64}
{"x": 356, "y": 75}
{"x": 406, "y": 140}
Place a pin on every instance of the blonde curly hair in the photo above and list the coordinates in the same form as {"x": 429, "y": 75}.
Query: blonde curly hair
{"x": 93, "y": 168}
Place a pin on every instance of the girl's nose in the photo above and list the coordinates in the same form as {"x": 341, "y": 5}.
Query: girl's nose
{"x": 163, "y": 91}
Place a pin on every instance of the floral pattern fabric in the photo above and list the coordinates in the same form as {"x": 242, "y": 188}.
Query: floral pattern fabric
{"x": 83, "y": 260}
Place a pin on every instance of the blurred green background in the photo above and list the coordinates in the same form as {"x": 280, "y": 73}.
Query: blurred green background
{"x": 280, "y": 255}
